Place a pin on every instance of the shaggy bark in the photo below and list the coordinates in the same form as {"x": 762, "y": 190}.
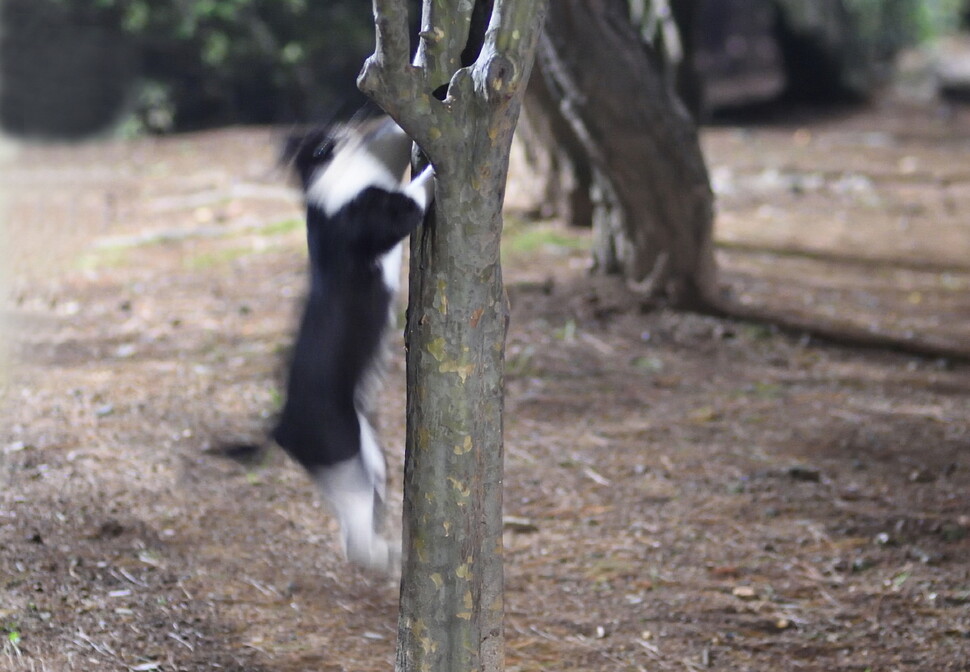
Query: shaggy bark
{"x": 653, "y": 207}
{"x": 451, "y": 590}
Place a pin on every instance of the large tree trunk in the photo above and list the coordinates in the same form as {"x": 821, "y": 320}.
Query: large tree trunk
{"x": 559, "y": 163}
{"x": 653, "y": 207}
{"x": 451, "y": 588}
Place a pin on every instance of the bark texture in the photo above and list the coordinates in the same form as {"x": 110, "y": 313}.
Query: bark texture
{"x": 451, "y": 589}
{"x": 653, "y": 207}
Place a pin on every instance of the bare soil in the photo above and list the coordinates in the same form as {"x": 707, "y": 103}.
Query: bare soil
{"x": 685, "y": 492}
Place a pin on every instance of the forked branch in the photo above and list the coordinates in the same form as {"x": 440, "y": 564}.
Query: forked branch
{"x": 445, "y": 31}
{"x": 405, "y": 90}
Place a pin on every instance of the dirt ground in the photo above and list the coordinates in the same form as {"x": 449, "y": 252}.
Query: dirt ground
{"x": 688, "y": 493}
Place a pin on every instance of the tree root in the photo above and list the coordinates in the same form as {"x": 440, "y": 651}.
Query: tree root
{"x": 838, "y": 257}
{"x": 841, "y": 334}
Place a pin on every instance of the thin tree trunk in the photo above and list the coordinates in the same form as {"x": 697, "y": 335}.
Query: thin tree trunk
{"x": 654, "y": 207}
{"x": 451, "y": 589}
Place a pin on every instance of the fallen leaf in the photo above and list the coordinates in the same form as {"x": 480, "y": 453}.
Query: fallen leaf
{"x": 727, "y": 571}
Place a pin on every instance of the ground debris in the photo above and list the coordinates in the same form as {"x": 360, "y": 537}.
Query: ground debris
{"x": 126, "y": 542}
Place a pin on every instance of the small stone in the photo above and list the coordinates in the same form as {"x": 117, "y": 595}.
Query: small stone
{"x": 15, "y": 447}
{"x": 922, "y": 476}
{"x": 744, "y": 592}
{"x": 125, "y": 350}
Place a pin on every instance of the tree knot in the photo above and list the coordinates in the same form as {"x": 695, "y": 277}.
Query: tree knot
{"x": 500, "y": 78}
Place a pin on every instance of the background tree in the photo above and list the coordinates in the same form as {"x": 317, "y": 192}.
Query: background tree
{"x": 609, "y": 103}
{"x": 451, "y": 594}
{"x": 610, "y": 120}
{"x": 620, "y": 149}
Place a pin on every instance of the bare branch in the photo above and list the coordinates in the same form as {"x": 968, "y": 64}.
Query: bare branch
{"x": 405, "y": 91}
{"x": 385, "y": 76}
{"x": 391, "y": 22}
{"x": 510, "y": 44}
{"x": 515, "y": 26}
{"x": 401, "y": 89}
{"x": 444, "y": 34}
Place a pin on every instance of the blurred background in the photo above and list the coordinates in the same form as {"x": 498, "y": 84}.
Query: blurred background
{"x": 71, "y": 68}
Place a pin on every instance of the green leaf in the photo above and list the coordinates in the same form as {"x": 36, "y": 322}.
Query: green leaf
{"x": 216, "y": 49}
{"x": 652, "y": 364}
{"x": 293, "y": 53}
{"x": 567, "y": 333}
{"x": 136, "y": 17}
{"x": 900, "y": 579}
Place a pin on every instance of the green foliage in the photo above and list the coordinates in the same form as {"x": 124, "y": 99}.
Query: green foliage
{"x": 249, "y": 61}
{"x": 533, "y": 238}
{"x": 210, "y": 62}
{"x": 939, "y": 17}
{"x": 11, "y": 639}
{"x": 905, "y": 21}
{"x": 853, "y": 42}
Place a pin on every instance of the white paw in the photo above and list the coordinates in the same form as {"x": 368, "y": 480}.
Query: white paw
{"x": 372, "y": 552}
{"x": 354, "y": 496}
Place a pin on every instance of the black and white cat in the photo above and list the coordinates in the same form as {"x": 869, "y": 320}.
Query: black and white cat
{"x": 358, "y": 214}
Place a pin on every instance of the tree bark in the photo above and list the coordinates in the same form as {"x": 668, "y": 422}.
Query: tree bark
{"x": 653, "y": 213}
{"x": 6, "y": 154}
{"x": 451, "y": 589}
{"x": 555, "y": 154}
